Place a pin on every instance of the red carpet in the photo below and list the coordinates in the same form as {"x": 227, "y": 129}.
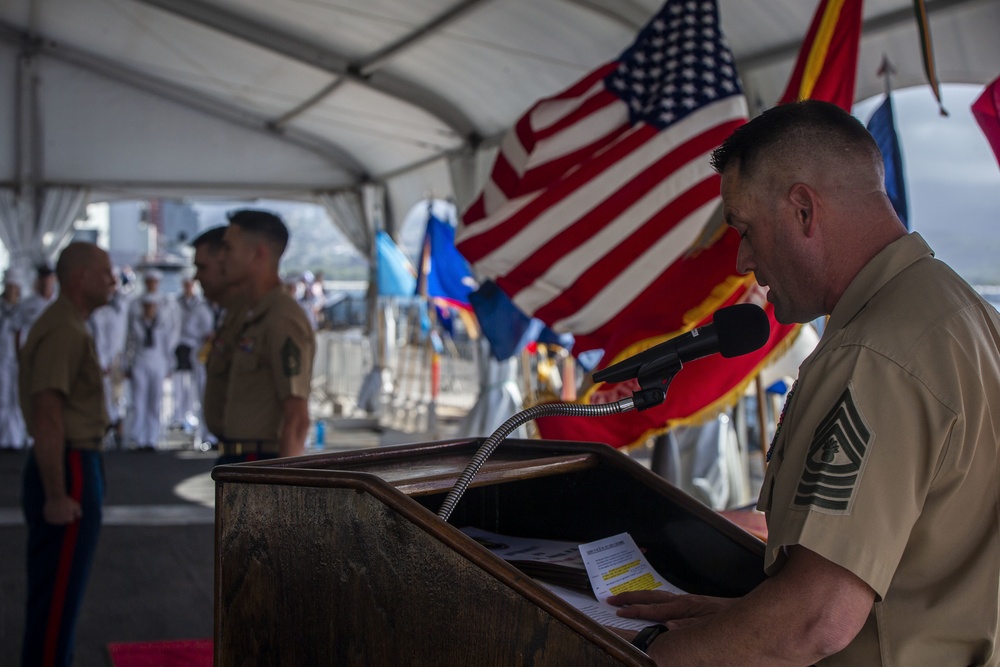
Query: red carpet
{"x": 181, "y": 653}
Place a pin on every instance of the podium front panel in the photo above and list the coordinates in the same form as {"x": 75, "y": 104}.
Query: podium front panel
{"x": 341, "y": 559}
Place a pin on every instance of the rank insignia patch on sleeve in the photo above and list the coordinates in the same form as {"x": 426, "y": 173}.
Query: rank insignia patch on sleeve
{"x": 291, "y": 358}
{"x": 836, "y": 459}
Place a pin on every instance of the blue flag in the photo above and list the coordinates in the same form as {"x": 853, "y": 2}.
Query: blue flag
{"x": 883, "y": 128}
{"x": 506, "y": 327}
{"x": 395, "y": 273}
{"x": 444, "y": 269}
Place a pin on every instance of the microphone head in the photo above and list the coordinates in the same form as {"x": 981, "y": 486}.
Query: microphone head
{"x": 741, "y": 329}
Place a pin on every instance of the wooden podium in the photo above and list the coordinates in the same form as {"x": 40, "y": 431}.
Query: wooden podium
{"x": 341, "y": 559}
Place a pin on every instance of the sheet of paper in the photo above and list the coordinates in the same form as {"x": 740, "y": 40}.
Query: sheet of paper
{"x": 615, "y": 565}
{"x": 520, "y": 548}
{"x": 601, "y": 612}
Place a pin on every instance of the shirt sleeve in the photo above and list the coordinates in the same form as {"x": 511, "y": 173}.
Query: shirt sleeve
{"x": 858, "y": 464}
{"x": 57, "y": 360}
{"x": 291, "y": 345}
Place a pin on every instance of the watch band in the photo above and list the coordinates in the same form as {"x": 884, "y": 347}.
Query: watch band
{"x": 647, "y": 635}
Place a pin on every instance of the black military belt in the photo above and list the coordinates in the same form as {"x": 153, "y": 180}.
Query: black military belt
{"x": 241, "y": 447}
{"x": 86, "y": 445}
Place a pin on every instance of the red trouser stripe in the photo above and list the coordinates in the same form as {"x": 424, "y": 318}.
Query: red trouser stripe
{"x": 73, "y": 460}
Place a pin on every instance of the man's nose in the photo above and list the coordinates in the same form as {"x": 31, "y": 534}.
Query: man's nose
{"x": 744, "y": 258}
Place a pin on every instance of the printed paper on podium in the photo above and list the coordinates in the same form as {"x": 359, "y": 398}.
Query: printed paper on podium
{"x": 615, "y": 565}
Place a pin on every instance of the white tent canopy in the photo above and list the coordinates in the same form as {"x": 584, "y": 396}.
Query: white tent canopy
{"x": 314, "y": 99}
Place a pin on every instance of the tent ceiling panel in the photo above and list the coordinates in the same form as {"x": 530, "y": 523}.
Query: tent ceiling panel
{"x": 182, "y": 52}
{"x": 381, "y": 130}
{"x": 357, "y": 29}
{"x": 125, "y": 127}
{"x": 8, "y": 92}
{"x": 188, "y": 95}
{"x": 524, "y": 51}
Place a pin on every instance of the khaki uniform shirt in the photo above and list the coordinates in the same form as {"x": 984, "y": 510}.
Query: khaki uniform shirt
{"x": 217, "y": 364}
{"x": 272, "y": 360}
{"x": 886, "y": 461}
{"x": 59, "y": 354}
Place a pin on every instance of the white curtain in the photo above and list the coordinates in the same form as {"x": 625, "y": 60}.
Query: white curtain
{"x": 33, "y": 229}
{"x": 347, "y": 210}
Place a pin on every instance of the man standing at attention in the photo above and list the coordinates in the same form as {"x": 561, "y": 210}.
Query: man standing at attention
{"x": 62, "y": 397}
{"x": 228, "y": 312}
{"x": 266, "y": 411}
{"x": 881, "y": 494}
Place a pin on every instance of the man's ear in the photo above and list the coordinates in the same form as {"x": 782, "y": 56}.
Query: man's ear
{"x": 804, "y": 201}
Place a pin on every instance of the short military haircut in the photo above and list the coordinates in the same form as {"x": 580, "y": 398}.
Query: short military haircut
{"x": 211, "y": 239}
{"x": 810, "y": 123}
{"x": 264, "y": 224}
{"x": 77, "y": 255}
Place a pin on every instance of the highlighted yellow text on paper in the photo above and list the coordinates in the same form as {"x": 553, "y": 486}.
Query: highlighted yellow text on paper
{"x": 646, "y": 582}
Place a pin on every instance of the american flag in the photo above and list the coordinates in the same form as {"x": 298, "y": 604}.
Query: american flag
{"x": 594, "y": 217}
{"x": 598, "y": 193}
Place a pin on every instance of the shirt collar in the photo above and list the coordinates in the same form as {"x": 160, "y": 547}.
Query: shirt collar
{"x": 260, "y": 309}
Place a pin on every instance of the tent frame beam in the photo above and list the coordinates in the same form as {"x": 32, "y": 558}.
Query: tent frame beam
{"x": 188, "y": 98}
{"x": 323, "y": 58}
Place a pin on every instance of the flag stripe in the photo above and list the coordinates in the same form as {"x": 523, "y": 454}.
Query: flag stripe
{"x": 613, "y": 244}
{"x": 820, "y": 48}
{"x": 606, "y": 118}
{"x": 640, "y": 273}
{"x": 550, "y": 211}
{"x": 605, "y": 240}
{"x": 553, "y": 210}
{"x": 551, "y": 116}
{"x": 826, "y": 68}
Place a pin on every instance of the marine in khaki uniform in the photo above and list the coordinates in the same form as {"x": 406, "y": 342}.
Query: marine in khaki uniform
{"x": 266, "y": 404}
{"x": 217, "y": 363}
{"x": 881, "y": 494}
{"x": 271, "y": 362}
{"x": 229, "y": 315}
{"x": 62, "y": 396}
{"x": 897, "y": 485}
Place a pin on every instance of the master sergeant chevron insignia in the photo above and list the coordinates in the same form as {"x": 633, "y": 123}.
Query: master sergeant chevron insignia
{"x": 836, "y": 459}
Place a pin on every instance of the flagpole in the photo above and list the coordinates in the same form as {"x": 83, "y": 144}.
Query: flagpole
{"x": 886, "y": 70}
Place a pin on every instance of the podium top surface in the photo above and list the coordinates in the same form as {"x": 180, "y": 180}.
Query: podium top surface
{"x": 425, "y": 468}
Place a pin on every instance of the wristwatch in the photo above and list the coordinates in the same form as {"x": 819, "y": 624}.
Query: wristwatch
{"x": 647, "y": 635}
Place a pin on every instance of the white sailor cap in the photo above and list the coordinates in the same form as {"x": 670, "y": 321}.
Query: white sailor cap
{"x": 152, "y": 274}
{"x": 15, "y": 277}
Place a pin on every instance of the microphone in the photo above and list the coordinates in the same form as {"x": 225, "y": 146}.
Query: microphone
{"x": 735, "y": 330}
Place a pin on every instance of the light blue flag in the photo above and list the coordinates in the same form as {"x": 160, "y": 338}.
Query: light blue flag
{"x": 395, "y": 273}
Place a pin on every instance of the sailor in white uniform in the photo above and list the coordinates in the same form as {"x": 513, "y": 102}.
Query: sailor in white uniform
{"x": 196, "y": 320}
{"x": 108, "y": 324}
{"x": 13, "y": 434}
{"x": 149, "y": 352}
{"x": 45, "y": 293}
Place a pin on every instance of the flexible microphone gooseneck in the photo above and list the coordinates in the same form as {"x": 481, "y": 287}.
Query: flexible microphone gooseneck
{"x": 735, "y": 330}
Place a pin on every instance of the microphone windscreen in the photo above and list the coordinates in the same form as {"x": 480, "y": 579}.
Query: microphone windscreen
{"x": 741, "y": 329}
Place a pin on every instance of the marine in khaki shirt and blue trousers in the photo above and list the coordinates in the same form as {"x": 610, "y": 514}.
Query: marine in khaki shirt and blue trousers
{"x": 62, "y": 396}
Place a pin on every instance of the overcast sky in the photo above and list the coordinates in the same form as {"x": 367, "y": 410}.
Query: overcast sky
{"x": 952, "y": 177}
